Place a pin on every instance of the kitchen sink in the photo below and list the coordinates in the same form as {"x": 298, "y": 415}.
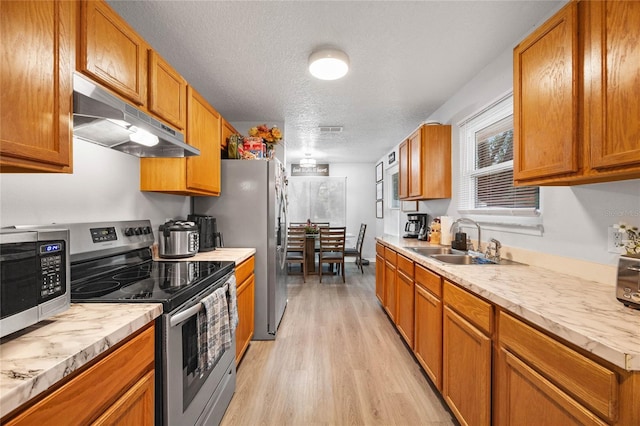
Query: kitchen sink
{"x": 465, "y": 259}
{"x": 428, "y": 251}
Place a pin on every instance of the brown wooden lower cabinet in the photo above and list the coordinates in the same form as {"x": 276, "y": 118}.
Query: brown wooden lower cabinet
{"x": 492, "y": 367}
{"x": 245, "y": 281}
{"x": 466, "y": 370}
{"x": 405, "y": 299}
{"x": 390, "y": 257}
{"x": 427, "y": 344}
{"x": 118, "y": 389}
{"x": 380, "y": 267}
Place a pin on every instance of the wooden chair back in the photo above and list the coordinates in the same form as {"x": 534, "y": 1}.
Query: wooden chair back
{"x": 296, "y": 247}
{"x": 332, "y": 247}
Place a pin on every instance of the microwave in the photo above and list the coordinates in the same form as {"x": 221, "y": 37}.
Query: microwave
{"x": 35, "y": 280}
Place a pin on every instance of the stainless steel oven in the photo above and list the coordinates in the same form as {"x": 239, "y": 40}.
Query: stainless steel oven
{"x": 112, "y": 262}
{"x": 34, "y": 279}
{"x": 194, "y": 396}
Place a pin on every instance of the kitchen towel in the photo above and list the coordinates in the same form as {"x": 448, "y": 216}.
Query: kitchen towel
{"x": 213, "y": 328}
{"x": 232, "y": 300}
{"x": 445, "y": 225}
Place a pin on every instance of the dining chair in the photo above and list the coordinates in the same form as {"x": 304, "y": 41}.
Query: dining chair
{"x": 332, "y": 248}
{"x": 296, "y": 248}
{"x": 357, "y": 250}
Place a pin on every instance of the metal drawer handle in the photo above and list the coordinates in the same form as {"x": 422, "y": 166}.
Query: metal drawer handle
{"x": 634, "y": 268}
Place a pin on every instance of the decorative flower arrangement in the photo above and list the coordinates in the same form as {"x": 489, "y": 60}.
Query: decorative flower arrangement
{"x": 630, "y": 244}
{"x": 312, "y": 229}
{"x": 269, "y": 135}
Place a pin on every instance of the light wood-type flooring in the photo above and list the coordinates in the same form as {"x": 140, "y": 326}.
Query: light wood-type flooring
{"x": 337, "y": 360}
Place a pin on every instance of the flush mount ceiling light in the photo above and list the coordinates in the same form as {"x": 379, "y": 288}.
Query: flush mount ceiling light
{"x": 307, "y": 162}
{"x": 328, "y": 64}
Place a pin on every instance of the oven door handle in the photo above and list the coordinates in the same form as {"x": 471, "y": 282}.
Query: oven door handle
{"x": 184, "y": 315}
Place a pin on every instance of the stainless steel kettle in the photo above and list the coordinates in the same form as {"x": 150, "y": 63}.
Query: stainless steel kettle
{"x": 178, "y": 239}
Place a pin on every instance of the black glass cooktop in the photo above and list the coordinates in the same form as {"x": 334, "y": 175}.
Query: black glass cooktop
{"x": 137, "y": 278}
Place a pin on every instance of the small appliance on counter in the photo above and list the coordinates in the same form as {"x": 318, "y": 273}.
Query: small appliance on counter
{"x": 35, "y": 283}
{"x": 207, "y": 230}
{"x": 178, "y": 239}
{"x": 416, "y": 222}
{"x": 628, "y": 282}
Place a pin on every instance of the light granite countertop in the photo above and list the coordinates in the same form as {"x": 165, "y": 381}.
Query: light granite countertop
{"x": 585, "y": 313}
{"x": 37, "y": 357}
{"x": 237, "y": 255}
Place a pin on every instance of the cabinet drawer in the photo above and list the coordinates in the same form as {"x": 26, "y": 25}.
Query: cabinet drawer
{"x": 244, "y": 269}
{"x": 405, "y": 265}
{"x": 380, "y": 249}
{"x": 428, "y": 280}
{"x": 391, "y": 256}
{"x": 584, "y": 379}
{"x": 469, "y": 306}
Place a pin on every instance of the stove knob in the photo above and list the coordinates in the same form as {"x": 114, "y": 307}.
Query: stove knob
{"x": 146, "y": 230}
{"x": 128, "y": 232}
{"x": 138, "y": 231}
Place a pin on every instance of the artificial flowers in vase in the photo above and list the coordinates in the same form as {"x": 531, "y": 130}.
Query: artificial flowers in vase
{"x": 270, "y": 137}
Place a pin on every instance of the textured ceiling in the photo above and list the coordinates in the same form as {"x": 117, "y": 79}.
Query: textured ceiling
{"x": 249, "y": 60}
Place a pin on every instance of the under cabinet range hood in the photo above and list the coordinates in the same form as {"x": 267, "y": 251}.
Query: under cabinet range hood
{"x": 102, "y": 118}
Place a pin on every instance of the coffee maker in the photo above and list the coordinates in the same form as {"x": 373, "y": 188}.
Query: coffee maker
{"x": 415, "y": 222}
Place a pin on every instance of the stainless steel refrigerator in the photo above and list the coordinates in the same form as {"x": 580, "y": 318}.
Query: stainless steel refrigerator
{"x": 252, "y": 212}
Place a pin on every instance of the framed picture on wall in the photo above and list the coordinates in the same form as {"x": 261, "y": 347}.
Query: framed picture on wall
{"x": 379, "y": 209}
{"x": 379, "y": 172}
{"x": 409, "y": 206}
{"x": 379, "y": 191}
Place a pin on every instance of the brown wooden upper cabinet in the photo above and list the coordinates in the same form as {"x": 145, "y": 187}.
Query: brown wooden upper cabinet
{"x": 167, "y": 91}
{"x": 199, "y": 175}
{"x": 227, "y": 130}
{"x": 576, "y": 110}
{"x": 35, "y": 120}
{"x": 111, "y": 52}
{"x": 425, "y": 164}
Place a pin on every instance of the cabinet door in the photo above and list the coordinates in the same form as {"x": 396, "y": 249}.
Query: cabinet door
{"x": 227, "y": 130}
{"x": 36, "y": 85}
{"x": 380, "y": 291}
{"x": 466, "y": 370}
{"x": 405, "y": 311}
{"x": 390, "y": 290}
{"x": 167, "y": 92}
{"x": 112, "y": 52}
{"x": 203, "y": 132}
{"x": 428, "y": 334}
{"x": 415, "y": 164}
{"x": 614, "y": 107}
{"x": 244, "y": 332}
{"x": 436, "y": 161}
{"x": 136, "y": 407}
{"x": 545, "y": 111}
{"x": 545, "y": 403}
{"x": 404, "y": 166}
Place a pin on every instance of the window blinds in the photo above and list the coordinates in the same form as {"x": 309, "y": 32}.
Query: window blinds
{"x": 486, "y": 181}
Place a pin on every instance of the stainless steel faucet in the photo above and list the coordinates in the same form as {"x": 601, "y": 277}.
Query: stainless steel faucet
{"x": 466, "y": 220}
{"x": 493, "y": 246}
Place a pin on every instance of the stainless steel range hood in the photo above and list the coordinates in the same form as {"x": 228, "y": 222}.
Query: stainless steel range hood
{"x": 102, "y": 118}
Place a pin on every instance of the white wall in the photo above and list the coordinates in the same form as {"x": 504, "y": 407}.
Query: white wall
{"x": 361, "y": 190}
{"x": 575, "y": 219}
{"x": 105, "y": 185}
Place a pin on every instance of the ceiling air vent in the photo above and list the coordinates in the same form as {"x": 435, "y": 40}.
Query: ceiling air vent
{"x": 330, "y": 129}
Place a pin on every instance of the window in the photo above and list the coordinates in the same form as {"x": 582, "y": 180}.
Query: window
{"x": 486, "y": 169}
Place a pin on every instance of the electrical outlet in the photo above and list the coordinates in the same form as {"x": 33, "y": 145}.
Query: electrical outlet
{"x": 614, "y": 240}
